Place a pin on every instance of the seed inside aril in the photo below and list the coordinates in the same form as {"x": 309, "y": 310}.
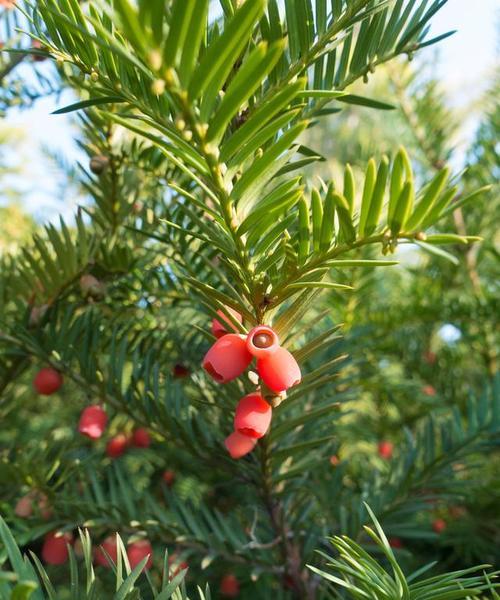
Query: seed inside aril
{"x": 263, "y": 340}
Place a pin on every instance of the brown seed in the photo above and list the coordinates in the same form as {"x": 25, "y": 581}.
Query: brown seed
{"x": 98, "y": 164}
{"x": 262, "y": 340}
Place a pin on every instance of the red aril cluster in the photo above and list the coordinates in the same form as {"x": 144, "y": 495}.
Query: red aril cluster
{"x": 230, "y": 356}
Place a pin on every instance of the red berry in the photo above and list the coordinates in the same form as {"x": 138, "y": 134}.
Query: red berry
{"x": 180, "y": 371}
{"x": 279, "y": 371}
{"x": 439, "y": 525}
{"x": 334, "y": 460}
{"x": 54, "y": 549}
{"x": 141, "y": 438}
{"x": 109, "y": 544}
{"x": 227, "y": 358}
{"x": 116, "y": 446}
{"x": 219, "y": 329}
{"x": 93, "y": 421}
{"x": 8, "y": 3}
{"x": 137, "y": 551}
{"x": 168, "y": 477}
{"x": 395, "y": 542}
{"x": 385, "y": 450}
{"x": 238, "y": 445}
{"x": 262, "y": 341}
{"x": 253, "y": 416}
{"x": 47, "y": 381}
{"x": 429, "y": 390}
{"x": 230, "y": 586}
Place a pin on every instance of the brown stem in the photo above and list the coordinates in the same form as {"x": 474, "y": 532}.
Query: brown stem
{"x": 295, "y": 577}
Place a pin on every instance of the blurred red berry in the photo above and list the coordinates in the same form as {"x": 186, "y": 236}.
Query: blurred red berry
{"x": 395, "y": 542}
{"x": 385, "y": 450}
{"x": 109, "y": 545}
{"x": 141, "y": 438}
{"x": 93, "y": 421}
{"x": 227, "y": 358}
{"x": 44, "y": 505}
{"x": 430, "y": 357}
{"x": 8, "y": 3}
{"x": 221, "y": 327}
{"x": 24, "y": 506}
{"x": 37, "y": 46}
{"x": 116, "y": 446}
{"x": 179, "y": 371}
{"x": 168, "y": 477}
{"x": 175, "y": 567}
{"x": 279, "y": 370}
{"x": 54, "y": 549}
{"x": 137, "y": 551}
{"x": 238, "y": 445}
{"x": 262, "y": 341}
{"x": 91, "y": 287}
{"x": 230, "y": 586}
{"x": 253, "y": 416}
{"x": 439, "y": 525}
{"x": 47, "y": 381}
{"x": 429, "y": 390}
{"x": 33, "y": 500}
{"x": 37, "y": 313}
{"x": 334, "y": 460}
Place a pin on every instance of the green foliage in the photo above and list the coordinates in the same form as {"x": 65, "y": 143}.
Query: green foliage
{"x": 363, "y": 576}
